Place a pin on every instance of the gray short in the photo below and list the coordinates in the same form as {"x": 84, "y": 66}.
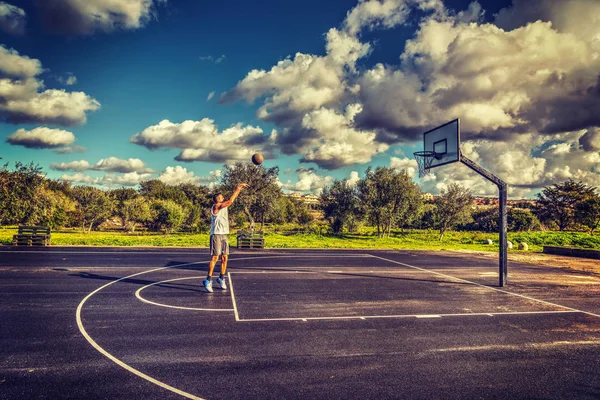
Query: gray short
{"x": 219, "y": 245}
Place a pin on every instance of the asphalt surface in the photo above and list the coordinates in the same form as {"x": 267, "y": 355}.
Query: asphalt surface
{"x": 114, "y": 323}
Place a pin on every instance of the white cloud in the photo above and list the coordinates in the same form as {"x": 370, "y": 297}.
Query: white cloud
{"x": 337, "y": 143}
{"x": 210, "y": 96}
{"x": 41, "y": 138}
{"x": 114, "y": 164}
{"x": 495, "y": 80}
{"x": 310, "y": 181}
{"x": 68, "y": 80}
{"x": 127, "y": 179}
{"x": 404, "y": 164}
{"x": 14, "y": 65}
{"x": 217, "y": 60}
{"x": 89, "y": 16}
{"x": 110, "y": 164}
{"x": 78, "y": 178}
{"x": 71, "y": 149}
{"x": 179, "y": 175}
{"x": 78, "y": 166}
{"x": 590, "y": 140}
{"x": 353, "y": 179}
{"x": 12, "y": 19}
{"x": 202, "y": 141}
{"x": 23, "y": 103}
{"x": 386, "y": 13}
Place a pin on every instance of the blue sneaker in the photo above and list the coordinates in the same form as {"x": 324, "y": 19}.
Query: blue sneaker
{"x": 222, "y": 283}
{"x": 208, "y": 285}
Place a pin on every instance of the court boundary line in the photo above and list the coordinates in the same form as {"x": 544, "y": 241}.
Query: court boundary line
{"x": 488, "y": 287}
{"x": 117, "y": 361}
{"x": 401, "y": 316}
{"x": 365, "y": 317}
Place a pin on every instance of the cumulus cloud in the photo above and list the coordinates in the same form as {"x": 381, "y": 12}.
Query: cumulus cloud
{"x": 21, "y": 101}
{"x": 353, "y": 179}
{"x": 114, "y": 164}
{"x": 76, "y": 17}
{"x": 127, "y": 179}
{"x": 71, "y": 149}
{"x": 499, "y": 82}
{"x": 202, "y": 140}
{"x": 12, "y": 19}
{"x": 386, "y": 13}
{"x": 108, "y": 180}
{"x": 590, "y": 140}
{"x": 309, "y": 180}
{"x": 77, "y": 166}
{"x": 68, "y": 80}
{"x": 41, "y": 138}
{"x": 337, "y": 142}
{"x": 110, "y": 164}
{"x": 179, "y": 175}
{"x": 404, "y": 164}
{"x": 305, "y": 96}
{"x": 78, "y": 178}
{"x": 521, "y": 85}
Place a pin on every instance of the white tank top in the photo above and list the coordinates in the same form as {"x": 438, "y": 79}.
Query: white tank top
{"x": 219, "y": 224}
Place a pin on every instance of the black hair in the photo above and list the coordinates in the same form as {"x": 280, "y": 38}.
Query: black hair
{"x": 215, "y": 196}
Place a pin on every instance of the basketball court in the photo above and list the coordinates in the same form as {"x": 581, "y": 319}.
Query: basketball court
{"x": 296, "y": 324}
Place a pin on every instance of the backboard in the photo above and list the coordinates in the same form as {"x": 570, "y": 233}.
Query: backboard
{"x": 445, "y": 142}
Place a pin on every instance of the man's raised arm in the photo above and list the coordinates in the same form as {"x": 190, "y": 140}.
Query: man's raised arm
{"x": 234, "y": 196}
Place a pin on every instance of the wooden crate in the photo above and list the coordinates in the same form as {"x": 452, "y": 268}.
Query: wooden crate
{"x": 250, "y": 240}
{"x": 32, "y": 236}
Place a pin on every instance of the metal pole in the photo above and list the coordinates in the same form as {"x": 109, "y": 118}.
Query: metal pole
{"x": 502, "y": 223}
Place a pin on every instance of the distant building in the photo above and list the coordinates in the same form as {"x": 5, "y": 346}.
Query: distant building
{"x": 312, "y": 203}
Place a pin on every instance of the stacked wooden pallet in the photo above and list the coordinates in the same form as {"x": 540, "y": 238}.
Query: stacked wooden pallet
{"x": 250, "y": 240}
{"x": 32, "y": 236}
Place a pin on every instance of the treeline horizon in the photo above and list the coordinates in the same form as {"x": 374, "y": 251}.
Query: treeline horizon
{"x": 384, "y": 198}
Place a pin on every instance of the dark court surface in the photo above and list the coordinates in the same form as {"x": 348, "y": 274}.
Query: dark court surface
{"x": 114, "y": 323}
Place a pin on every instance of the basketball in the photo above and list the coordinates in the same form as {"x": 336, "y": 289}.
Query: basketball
{"x": 257, "y": 159}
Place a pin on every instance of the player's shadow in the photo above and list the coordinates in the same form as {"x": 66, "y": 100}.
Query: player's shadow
{"x": 144, "y": 282}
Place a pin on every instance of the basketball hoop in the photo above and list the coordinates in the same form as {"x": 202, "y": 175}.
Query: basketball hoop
{"x": 424, "y": 160}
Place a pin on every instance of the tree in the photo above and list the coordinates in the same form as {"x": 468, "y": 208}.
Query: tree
{"x": 155, "y": 189}
{"x": 197, "y": 207}
{"x": 339, "y": 203}
{"x": 135, "y": 211}
{"x": 260, "y": 199}
{"x": 557, "y": 203}
{"x": 167, "y": 215}
{"x": 93, "y": 206}
{"x": 389, "y": 198}
{"x": 120, "y": 196}
{"x": 453, "y": 207}
{"x": 519, "y": 220}
{"x": 587, "y": 212}
{"x": 19, "y": 193}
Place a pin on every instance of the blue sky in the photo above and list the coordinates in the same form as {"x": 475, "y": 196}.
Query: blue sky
{"x": 176, "y": 61}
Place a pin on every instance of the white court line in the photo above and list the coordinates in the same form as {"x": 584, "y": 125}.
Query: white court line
{"x": 398, "y": 316}
{"x": 235, "y": 310}
{"x": 115, "y": 359}
{"x": 489, "y": 287}
{"x": 139, "y": 296}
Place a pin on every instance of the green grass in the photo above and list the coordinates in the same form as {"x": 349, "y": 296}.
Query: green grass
{"x": 414, "y": 239}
